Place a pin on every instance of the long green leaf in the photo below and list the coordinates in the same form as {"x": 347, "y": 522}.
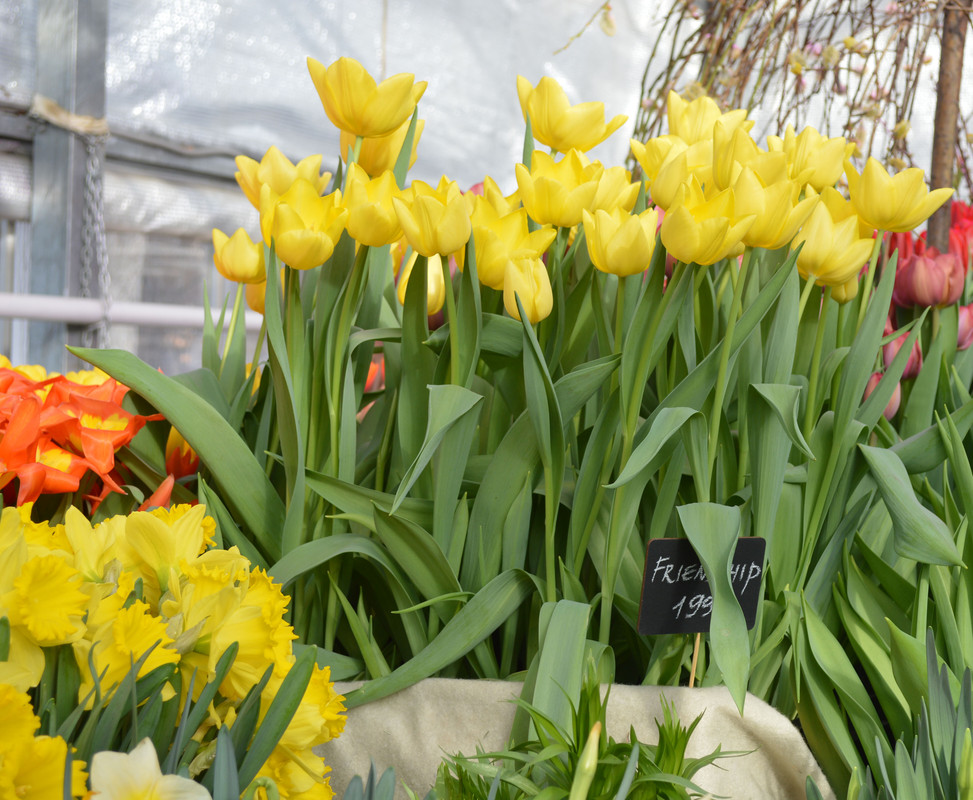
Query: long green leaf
{"x": 243, "y": 484}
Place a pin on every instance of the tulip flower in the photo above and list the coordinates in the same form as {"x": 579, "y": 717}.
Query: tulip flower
{"x": 237, "y": 257}
{"x": 845, "y": 292}
{"x": 696, "y": 160}
{"x": 892, "y": 202}
{"x": 181, "y": 459}
{"x": 891, "y": 350}
{"x": 778, "y": 210}
{"x": 559, "y": 125}
{"x": 356, "y": 104}
{"x": 929, "y": 279}
{"x": 378, "y": 155}
{"x": 277, "y": 171}
{"x": 554, "y": 192}
{"x": 892, "y": 408}
{"x": 964, "y": 337}
{"x": 499, "y": 237}
{"x": 615, "y": 190}
{"x": 817, "y": 159}
{"x": 833, "y": 254}
{"x": 527, "y": 279}
{"x": 435, "y": 283}
{"x": 693, "y": 122}
{"x": 303, "y": 226}
{"x": 371, "y": 216}
{"x": 701, "y": 231}
{"x": 620, "y": 243}
{"x": 841, "y": 209}
{"x": 435, "y": 221}
{"x": 656, "y": 153}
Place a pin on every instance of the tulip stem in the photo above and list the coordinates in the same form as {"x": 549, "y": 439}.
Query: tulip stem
{"x": 720, "y": 393}
{"x": 869, "y": 279}
{"x": 805, "y": 296}
{"x": 812, "y": 389}
{"x": 453, "y": 324}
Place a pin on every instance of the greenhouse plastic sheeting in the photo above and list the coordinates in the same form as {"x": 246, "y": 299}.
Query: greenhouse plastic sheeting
{"x": 233, "y": 75}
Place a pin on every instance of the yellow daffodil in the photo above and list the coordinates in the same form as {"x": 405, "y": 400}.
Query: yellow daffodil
{"x": 435, "y": 221}
{"x": 137, "y": 775}
{"x": 299, "y": 774}
{"x": 892, "y": 202}
{"x": 554, "y": 192}
{"x": 656, "y": 153}
{"x": 371, "y": 216}
{"x": 237, "y": 257}
{"x": 122, "y": 640}
{"x": 33, "y": 769}
{"x": 693, "y": 122}
{"x": 527, "y": 279}
{"x": 500, "y": 237}
{"x": 435, "y": 283}
{"x": 777, "y": 209}
{"x": 615, "y": 190}
{"x": 46, "y": 601}
{"x": 303, "y": 225}
{"x": 94, "y": 546}
{"x": 833, "y": 254}
{"x": 814, "y": 159}
{"x": 320, "y": 716}
{"x": 559, "y": 125}
{"x": 276, "y": 171}
{"x": 701, "y": 231}
{"x": 356, "y": 104}
{"x": 19, "y": 720}
{"x": 621, "y": 243}
{"x": 380, "y": 154}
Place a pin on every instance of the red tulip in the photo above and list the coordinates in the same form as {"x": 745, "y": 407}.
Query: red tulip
{"x": 890, "y": 350}
{"x": 893, "y": 405}
{"x": 929, "y": 279}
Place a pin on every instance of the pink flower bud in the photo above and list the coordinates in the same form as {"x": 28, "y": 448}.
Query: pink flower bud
{"x": 890, "y": 350}
{"x": 929, "y": 279}
{"x": 964, "y": 336}
{"x": 893, "y": 405}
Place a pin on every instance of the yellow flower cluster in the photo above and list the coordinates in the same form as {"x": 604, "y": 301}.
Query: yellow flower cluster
{"x": 715, "y": 190}
{"x": 150, "y": 583}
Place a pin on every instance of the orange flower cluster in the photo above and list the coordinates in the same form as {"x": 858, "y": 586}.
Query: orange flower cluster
{"x": 55, "y": 428}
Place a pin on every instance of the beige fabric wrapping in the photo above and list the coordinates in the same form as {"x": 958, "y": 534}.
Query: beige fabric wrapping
{"x": 413, "y": 729}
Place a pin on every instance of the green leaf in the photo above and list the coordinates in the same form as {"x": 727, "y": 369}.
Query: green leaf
{"x": 925, "y": 451}
{"x": 448, "y": 405}
{"x": 560, "y": 667}
{"x": 480, "y": 617}
{"x": 919, "y": 533}
{"x": 784, "y": 400}
{"x": 278, "y": 716}
{"x": 713, "y": 531}
{"x": 657, "y": 444}
{"x": 226, "y": 784}
{"x": 244, "y": 486}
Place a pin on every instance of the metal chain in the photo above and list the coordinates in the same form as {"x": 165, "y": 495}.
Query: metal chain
{"x": 94, "y": 243}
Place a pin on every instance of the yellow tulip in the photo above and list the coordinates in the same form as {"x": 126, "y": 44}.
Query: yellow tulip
{"x": 527, "y": 279}
{"x": 378, "y": 155}
{"x": 833, "y": 254}
{"x": 355, "y": 103}
{"x": 896, "y": 203}
{"x": 277, "y": 171}
{"x": 656, "y": 153}
{"x": 237, "y": 257}
{"x": 817, "y": 159}
{"x": 499, "y": 237}
{"x": 615, "y": 190}
{"x": 845, "y": 292}
{"x": 701, "y": 231}
{"x": 435, "y": 283}
{"x": 303, "y": 226}
{"x": 559, "y": 125}
{"x": 371, "y": 216}
{"x": 696, "y": 160}
{"x": 435, "y": 221}
{"x": 255, "y": 294}
{"x": 554, "y": 192}
{"x": 840, "y": 209}
{"x": 693, "y": 122}
{"x": 504, "y": 204}
{"x": 732, "y": 148}
{"x": 620, "y": 243}
{"x": 777, "y": 209}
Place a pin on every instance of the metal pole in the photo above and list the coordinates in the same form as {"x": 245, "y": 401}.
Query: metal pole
{"x": 71, "y": 48}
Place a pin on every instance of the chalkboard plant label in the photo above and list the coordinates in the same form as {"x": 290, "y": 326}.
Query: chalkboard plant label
{"x": 676, "y": 596}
